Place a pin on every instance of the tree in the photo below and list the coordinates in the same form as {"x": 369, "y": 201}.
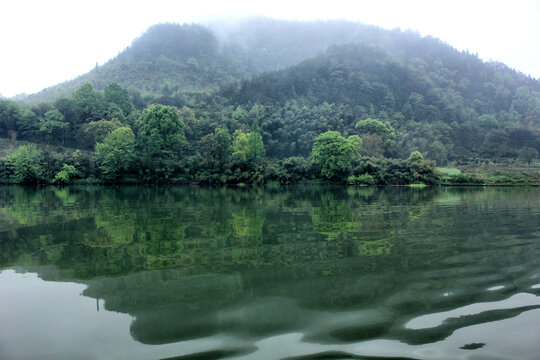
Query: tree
{"x": 64, "y": 176}
{"x": 97, "y": 131}
{"x": 496, "y": 143}
{"x": 87, "y": 104}
{"x": 27, "y": 125}
{"x": 115, "y": 94}
{"x": 223, "y": 146}
{"x": 68, "y": 109}
{"x": 377, "y": 136}
{"x": 334, "y": 154}
{"x": 25, "y": 164}
{"x": 356, "y": 143}
{"x": 240, "y": 147}
{"x": 216, "y": 149}
{"x": 256, "y": 151}
{"x": 415, "y": 157}
{"x": 528, "y": 155}
{"x": 53, "y": 126}
{"x": 438, "y": 152}
{"x": 113, "y": 111}
{"x": 373, "y": 126}
{"x": 116, "y": 153}
{"x": 161, "y": 132}
{"x": 10, "y": 113}
{"x": 239, "y": 116}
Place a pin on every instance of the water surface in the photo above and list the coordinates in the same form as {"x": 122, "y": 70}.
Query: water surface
{"x": 269, "y": 273}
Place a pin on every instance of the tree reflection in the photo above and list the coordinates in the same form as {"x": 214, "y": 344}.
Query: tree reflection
{"x": 338, "y": 264}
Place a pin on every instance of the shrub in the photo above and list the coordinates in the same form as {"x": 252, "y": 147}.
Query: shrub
{"x": 25, "y": 164}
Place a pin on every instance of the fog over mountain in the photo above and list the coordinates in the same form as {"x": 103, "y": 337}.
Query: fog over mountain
{"x": 179, "y": 58}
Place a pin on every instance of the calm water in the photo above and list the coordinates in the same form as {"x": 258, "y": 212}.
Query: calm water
{"x": 298, "y": 273}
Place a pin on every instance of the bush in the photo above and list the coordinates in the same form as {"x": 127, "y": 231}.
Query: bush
{"x": 25, "y": 164}
{"x": 364, "y": 179}
{"x": 66, "y": 174}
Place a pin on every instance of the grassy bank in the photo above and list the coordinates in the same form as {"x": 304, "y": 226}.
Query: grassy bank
{"x": 489, "y": 175}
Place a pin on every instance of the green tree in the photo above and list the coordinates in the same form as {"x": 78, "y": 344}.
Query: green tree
{"x": 378, "y": 136}
{"x": 115, "y": 94}
{"x": 239, "y": 116}
{"x": 373, "y": 145}
{"x": 161, "y": 132}
{"x": 96, "y": 131}
{"x": 53, "y": 125}
{"x": 10, "y": 113}
{"x": 240, "y": 146}
{"x": 334, "y": 154}
{"x": 528, "y": 155}
{"x": 87, "y": 104}
{"x": 437, "y": 152}
{"x": 373, "y": 126}
{"x": 192, "y": 128}
{"x": 25, "y": 164}
{"x": 496, "y": 143}
{"x": 356, "y": 143}
{"x": 68, "y": 108}
{"x": 256, "y": 151}
{"x": 415, "y": 157}
{"x": 216, "y": 149}
{"x": 116, "y": 153}
{"x": 64, "y": 176}
{"x": 223, "y": 145}
{"x": 113, "y": 111}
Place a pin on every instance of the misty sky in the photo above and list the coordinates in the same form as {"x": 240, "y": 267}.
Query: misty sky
{"x": 49, "y": 41}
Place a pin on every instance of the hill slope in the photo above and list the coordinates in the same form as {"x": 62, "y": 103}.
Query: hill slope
{"x": 439, "y": 96}
{"x": 318, "y": 76}
{"x": 171, "y": 59}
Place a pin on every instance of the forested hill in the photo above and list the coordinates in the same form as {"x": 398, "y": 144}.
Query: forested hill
{"x": 263, "y": 100}
{"x": 442, "y": 102}
{"x": 166, "y": 59}
{"x": 170, "y": 59}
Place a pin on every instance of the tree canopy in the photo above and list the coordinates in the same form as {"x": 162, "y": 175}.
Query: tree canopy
{"x": 334, "y": 153}
{"x": 161, "y": 132}
{"x": 116, "y": 153}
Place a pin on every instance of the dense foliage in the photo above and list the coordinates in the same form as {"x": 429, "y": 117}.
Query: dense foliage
{"x": 184, "y": 103}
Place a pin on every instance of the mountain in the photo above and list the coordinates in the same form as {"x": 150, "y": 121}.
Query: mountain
{"x": 172, "y": 59}
{"x": 290, "y": 82}
{"x": 429, "y": 92}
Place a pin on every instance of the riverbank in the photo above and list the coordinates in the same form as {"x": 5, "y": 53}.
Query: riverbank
{"x": 489, "y": 176}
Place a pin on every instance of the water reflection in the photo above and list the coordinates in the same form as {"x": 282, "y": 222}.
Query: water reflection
{"x": 337, "y": 265}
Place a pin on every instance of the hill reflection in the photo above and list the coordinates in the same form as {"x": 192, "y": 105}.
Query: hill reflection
{"x": 339, "y": 265}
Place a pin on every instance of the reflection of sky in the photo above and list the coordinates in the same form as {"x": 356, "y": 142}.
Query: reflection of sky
{"x": 433, "y": 320}
{"x": 52, "y": 320}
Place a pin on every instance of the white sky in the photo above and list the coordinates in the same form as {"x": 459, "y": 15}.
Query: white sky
{"x": 45, "y": 42}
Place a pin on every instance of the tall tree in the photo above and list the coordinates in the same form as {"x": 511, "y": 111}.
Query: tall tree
{"x": 528, "y": 155}
{"x": 116, "y": 153}
{"x": 334, "y": 154}
{"x": 256, "y": 151}
{"x": 378, "y": 136}
{"x": 115, "y": 94}
{"x": 53, "y": 125}
{"x": 161, "y": 132}
{"x": 10, "y": 113}
{"x": 87, "y": 103}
